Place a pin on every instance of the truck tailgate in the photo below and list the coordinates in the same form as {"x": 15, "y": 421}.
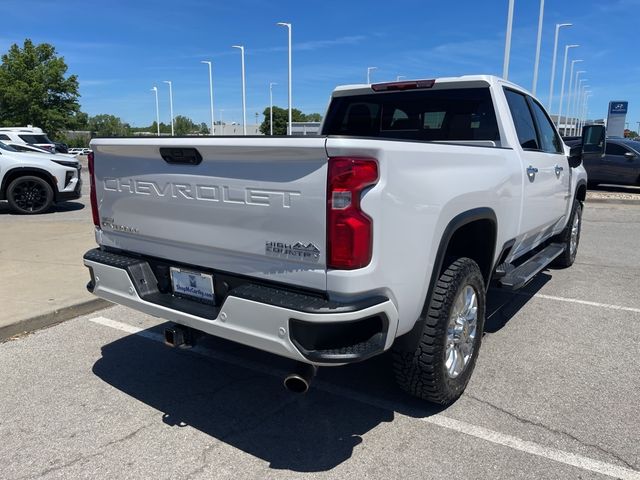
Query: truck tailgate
{"x": 252, "y": 206}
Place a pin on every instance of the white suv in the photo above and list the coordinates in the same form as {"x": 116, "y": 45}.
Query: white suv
{"x": 31, "y": 183}
{"x": 27, "y": 135}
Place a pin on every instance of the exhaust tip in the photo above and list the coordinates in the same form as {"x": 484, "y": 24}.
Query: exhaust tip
{"x": 296, "y": 384}
{"x": 299, "y": 380}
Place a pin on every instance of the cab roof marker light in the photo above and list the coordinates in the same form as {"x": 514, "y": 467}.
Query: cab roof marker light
{"x": 404, "y": 85}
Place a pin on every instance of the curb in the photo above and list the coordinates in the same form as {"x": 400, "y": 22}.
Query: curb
{"x": 49, "y": 319}
{"x": 614, "y": 201}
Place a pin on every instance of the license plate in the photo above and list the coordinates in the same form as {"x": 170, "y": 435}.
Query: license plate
{"x": 193, "y": 285}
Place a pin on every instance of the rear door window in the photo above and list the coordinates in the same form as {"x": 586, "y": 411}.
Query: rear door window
{"x": 431, "y": 115}
{"x": 523, "y": 120}
{"x": 549, "y": 139}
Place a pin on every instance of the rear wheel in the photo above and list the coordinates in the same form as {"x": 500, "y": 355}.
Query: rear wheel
{"x": 570, "y": 237}
{"x": 30, "y": 195}
{"x": 439, "y": 369}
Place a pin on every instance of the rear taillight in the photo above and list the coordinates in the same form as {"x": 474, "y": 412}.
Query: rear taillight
{"x": 92, "y": 194}
{"x": 349, "y": 229}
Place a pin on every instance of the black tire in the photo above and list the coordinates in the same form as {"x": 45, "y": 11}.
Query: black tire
{"x": 568, "y": 255}
{"x": 30, "y": 195}
{"x": 423, "y": 372}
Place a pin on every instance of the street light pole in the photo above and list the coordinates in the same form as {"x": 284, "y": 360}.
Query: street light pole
{"x": 155, "y": 90}
{"x": 586, "y": 107}
{"x": 210, "y": 95}
{"x": 507, "y": 44}
{"x": 244, "y": 92}
{"x": 553, "y": 64}
{"x": 583, "y": 106}
{"x": 564, "y": 76}
{"x": 271, "y": 107}
{"x": 585, "y": 92}
{"x": 538, "y": 44}
{"x": 569, "y": 97}
{"x": 170, "y": 103}
{"x": 288, "y": 25}
{"x": 577, "y": 89}
{"x": 369, "y": 70}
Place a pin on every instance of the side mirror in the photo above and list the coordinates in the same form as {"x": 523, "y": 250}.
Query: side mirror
{"x": 575, "y": 156}
{"x": 594, "y": 139}
{"x": 630, "y": 156}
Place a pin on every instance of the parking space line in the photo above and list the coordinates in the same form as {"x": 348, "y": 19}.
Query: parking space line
{"x": 583, "y": 302}
{"x": 510, "y": 441}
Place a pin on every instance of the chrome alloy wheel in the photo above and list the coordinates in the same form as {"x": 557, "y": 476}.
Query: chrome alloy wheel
{"x": 575, "y": 231}
{"x": 461, "y": 332}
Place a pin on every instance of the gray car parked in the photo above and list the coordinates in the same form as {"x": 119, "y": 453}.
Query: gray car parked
{"x": 619, "y": 165}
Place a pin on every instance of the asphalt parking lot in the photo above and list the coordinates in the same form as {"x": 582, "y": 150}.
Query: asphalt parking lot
{"x": 555, "y": 394}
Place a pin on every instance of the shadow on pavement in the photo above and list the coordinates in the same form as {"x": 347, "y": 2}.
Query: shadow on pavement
{"x": 616, "y": 188}
{"x": 56, "y": 207}
{"x": 252, "y": 412}
{"x": 67, "y": 207}
{"x": 503, "y": 305}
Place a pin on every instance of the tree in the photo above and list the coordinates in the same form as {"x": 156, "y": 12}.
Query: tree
{"x": 105, "y": 125}
{"x": 313, "y": 117}
{"x": 204, "y": 129}
{"x": 281, "y": 118}
{"x": 34, "y": 89}
{"x": 80, "y": 121}
{"x": 184, "y": 125}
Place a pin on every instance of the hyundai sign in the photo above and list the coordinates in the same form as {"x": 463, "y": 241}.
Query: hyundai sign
{"x": 617, "y": 118}
{"x": 618, "y": 108}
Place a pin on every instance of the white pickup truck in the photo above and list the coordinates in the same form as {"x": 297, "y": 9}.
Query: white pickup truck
{"x": 384, "y": 232}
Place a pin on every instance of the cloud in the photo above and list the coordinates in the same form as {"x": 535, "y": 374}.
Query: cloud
{"x": 307, "y": 46}
{"x": 97, "y": 83}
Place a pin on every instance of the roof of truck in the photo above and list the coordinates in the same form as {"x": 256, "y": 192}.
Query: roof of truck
{"x": 465, "y": 81}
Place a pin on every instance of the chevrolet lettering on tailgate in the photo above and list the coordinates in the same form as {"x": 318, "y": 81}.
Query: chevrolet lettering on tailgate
{"x": 206, "y": 193}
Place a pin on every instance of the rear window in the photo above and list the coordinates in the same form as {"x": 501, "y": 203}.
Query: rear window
{"x": 429, "y": 115}
{"x": 34, "y": 138}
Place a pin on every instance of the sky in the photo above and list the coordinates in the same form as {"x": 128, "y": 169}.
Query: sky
{"x": 121, "y": 49}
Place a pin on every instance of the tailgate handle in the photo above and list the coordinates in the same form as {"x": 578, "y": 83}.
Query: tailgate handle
{"x": 187, "y": 156}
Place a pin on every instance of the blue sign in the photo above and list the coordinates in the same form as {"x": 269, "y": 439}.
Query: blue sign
{"x": 618, "y": 108}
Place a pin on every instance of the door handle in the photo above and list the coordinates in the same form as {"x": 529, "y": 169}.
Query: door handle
{"x": 531, "y": 170}
{"x": 559, "y": 170}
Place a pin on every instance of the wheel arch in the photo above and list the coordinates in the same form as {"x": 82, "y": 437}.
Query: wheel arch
{"x": 17, "y": 172}
{"x": 581, "y": 190}
{"x": 452, "y": 242}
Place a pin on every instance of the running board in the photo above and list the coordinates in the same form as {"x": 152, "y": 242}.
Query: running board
{"x": 520, "y": 276}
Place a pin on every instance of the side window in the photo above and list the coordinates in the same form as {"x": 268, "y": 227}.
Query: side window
{"x": 615, "y": 149}
{"x": 522, "y": 120}
{"x": 550, "y": 140}
{"x": 4, "y": 137}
